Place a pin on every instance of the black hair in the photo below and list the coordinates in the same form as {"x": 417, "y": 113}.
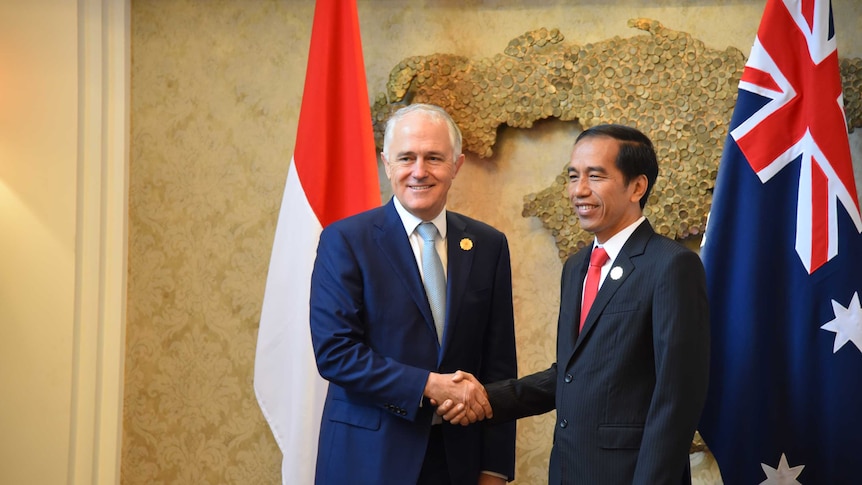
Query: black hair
{"x": 636, "y": 156}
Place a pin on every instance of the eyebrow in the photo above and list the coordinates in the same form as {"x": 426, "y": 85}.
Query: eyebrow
{"x": 414, "y": 153}
{"x": 588, "y": 169}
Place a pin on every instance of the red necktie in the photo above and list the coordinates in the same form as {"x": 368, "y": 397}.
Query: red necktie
{"x": 597, "y": 259}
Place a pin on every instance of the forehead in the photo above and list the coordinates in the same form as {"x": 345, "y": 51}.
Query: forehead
{"x": 420, "y": 126}
{"x": 595, "y": 151}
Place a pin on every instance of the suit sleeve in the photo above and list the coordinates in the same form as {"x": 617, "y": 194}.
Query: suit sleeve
{"x": 338, "y": 332}
{"x": 680, "y": 319}
{"x": 528, "y": 396}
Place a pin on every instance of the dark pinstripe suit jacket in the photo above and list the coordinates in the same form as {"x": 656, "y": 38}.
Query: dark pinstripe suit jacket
{"x": 630, "y": 388}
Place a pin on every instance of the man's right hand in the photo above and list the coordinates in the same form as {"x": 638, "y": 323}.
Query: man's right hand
{"x": 469, "y": 402}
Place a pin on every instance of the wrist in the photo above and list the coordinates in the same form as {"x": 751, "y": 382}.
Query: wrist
{"x": 431, "y": 384}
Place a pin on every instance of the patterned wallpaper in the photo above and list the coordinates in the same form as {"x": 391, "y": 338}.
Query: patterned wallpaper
{"x": 216, "y": 90}
{"x": 213, "y": 86}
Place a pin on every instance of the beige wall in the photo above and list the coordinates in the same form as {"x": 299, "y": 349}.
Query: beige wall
{"x": 216, "y": 90}
{"x": 38, "y": 150}
{"x": 62, "y": 239}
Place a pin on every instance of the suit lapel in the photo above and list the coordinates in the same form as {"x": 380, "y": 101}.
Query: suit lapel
{"x": 458, "y": 268}
{"x": 395, "y": 247}
{"x": 576, "y": 282}
{"x": 615, "y": 279}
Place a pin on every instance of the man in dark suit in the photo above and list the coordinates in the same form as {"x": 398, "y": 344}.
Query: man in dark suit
{"x": 631, "y": 373}
{"x": 385, "y": 352}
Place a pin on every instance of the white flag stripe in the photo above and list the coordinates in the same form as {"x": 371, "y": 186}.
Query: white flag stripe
{"x": 288, "y": 388}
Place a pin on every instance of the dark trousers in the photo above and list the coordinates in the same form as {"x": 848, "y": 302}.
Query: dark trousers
{"x": 435, "y": 471}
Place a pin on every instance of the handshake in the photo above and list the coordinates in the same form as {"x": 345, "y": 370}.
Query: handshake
{"x": 460, "y": 398}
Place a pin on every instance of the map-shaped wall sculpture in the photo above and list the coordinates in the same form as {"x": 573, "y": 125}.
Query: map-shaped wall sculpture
{"x": 666, "y": 83}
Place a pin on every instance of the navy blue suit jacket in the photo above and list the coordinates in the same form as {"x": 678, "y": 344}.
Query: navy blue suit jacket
{"x": 375, "y": 342}
{"x": 629, "y": 388}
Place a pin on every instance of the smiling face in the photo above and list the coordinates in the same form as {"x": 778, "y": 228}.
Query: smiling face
{"x": 604, "y": 202}
{"x": 420, "y": 163}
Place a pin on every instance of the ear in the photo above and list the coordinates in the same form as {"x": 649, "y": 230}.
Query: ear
{"x": 458, "y": 162}
{"x": 639, "y": 187}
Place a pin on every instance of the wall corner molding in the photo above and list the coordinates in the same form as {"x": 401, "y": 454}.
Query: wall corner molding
{"x": 104, "y": 55}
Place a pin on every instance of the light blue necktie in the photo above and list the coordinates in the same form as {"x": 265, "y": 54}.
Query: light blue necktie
{"x": 434, "y": 278}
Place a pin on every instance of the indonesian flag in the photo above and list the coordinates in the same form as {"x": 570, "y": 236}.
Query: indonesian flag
{"x": 333, "y": 174}
{"x": 783, "y": 259}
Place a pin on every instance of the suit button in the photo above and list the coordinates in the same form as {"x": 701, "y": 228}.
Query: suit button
{"x": 568, "y": 378}
{"x": 564, "y": 423}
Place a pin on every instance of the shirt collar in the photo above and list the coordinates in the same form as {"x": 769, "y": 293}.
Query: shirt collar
{"x": 410, "y": 221}
{"x": 615, "y": 244}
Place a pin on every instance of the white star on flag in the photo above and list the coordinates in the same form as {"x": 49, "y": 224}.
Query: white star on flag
{"x": 847, "y": 324}
{"x": 783, "y": 475}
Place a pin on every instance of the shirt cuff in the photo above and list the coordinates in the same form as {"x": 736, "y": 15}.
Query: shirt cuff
{"x": 494, "y": 474}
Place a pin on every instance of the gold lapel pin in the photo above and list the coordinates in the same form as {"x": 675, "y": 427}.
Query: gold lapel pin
{"x": 466, "y": 244}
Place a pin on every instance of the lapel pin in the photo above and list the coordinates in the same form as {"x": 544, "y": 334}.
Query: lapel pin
{"x": 616, "y": 273}
{"x": 466, "y": 244}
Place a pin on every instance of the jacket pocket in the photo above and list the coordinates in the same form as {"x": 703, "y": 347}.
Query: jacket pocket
{"x": 620, "y": 436}
{"x": 621, "y": 307}
{"x": 354, "y": 415}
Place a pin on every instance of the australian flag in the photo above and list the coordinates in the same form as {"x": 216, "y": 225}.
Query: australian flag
{"x": 783, "y": 257}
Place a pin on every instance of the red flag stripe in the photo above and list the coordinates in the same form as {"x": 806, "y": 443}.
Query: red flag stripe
{"x": 335, "y": 154}
{"x": 819, "y": 217}
{"x": 808, "y": 12}
{"x": 760, "y": 78}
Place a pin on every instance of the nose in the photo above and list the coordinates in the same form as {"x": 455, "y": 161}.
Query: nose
{"x": 579, "y": 187}
{"x": 420, "y": 168}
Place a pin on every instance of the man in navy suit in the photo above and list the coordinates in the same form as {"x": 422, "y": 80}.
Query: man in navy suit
{"x": 630, "y": 379}
{"x": 374, "y": 333}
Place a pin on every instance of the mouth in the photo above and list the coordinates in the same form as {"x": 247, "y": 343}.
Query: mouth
{"x": 420, "y": 188}
{"x": 583, "y": 209}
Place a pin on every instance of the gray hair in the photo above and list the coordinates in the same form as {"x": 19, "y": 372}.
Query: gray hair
{"x": 436, "y": 113}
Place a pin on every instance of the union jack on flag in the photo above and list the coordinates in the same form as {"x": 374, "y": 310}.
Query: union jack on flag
{"x": 783, "y": 256}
